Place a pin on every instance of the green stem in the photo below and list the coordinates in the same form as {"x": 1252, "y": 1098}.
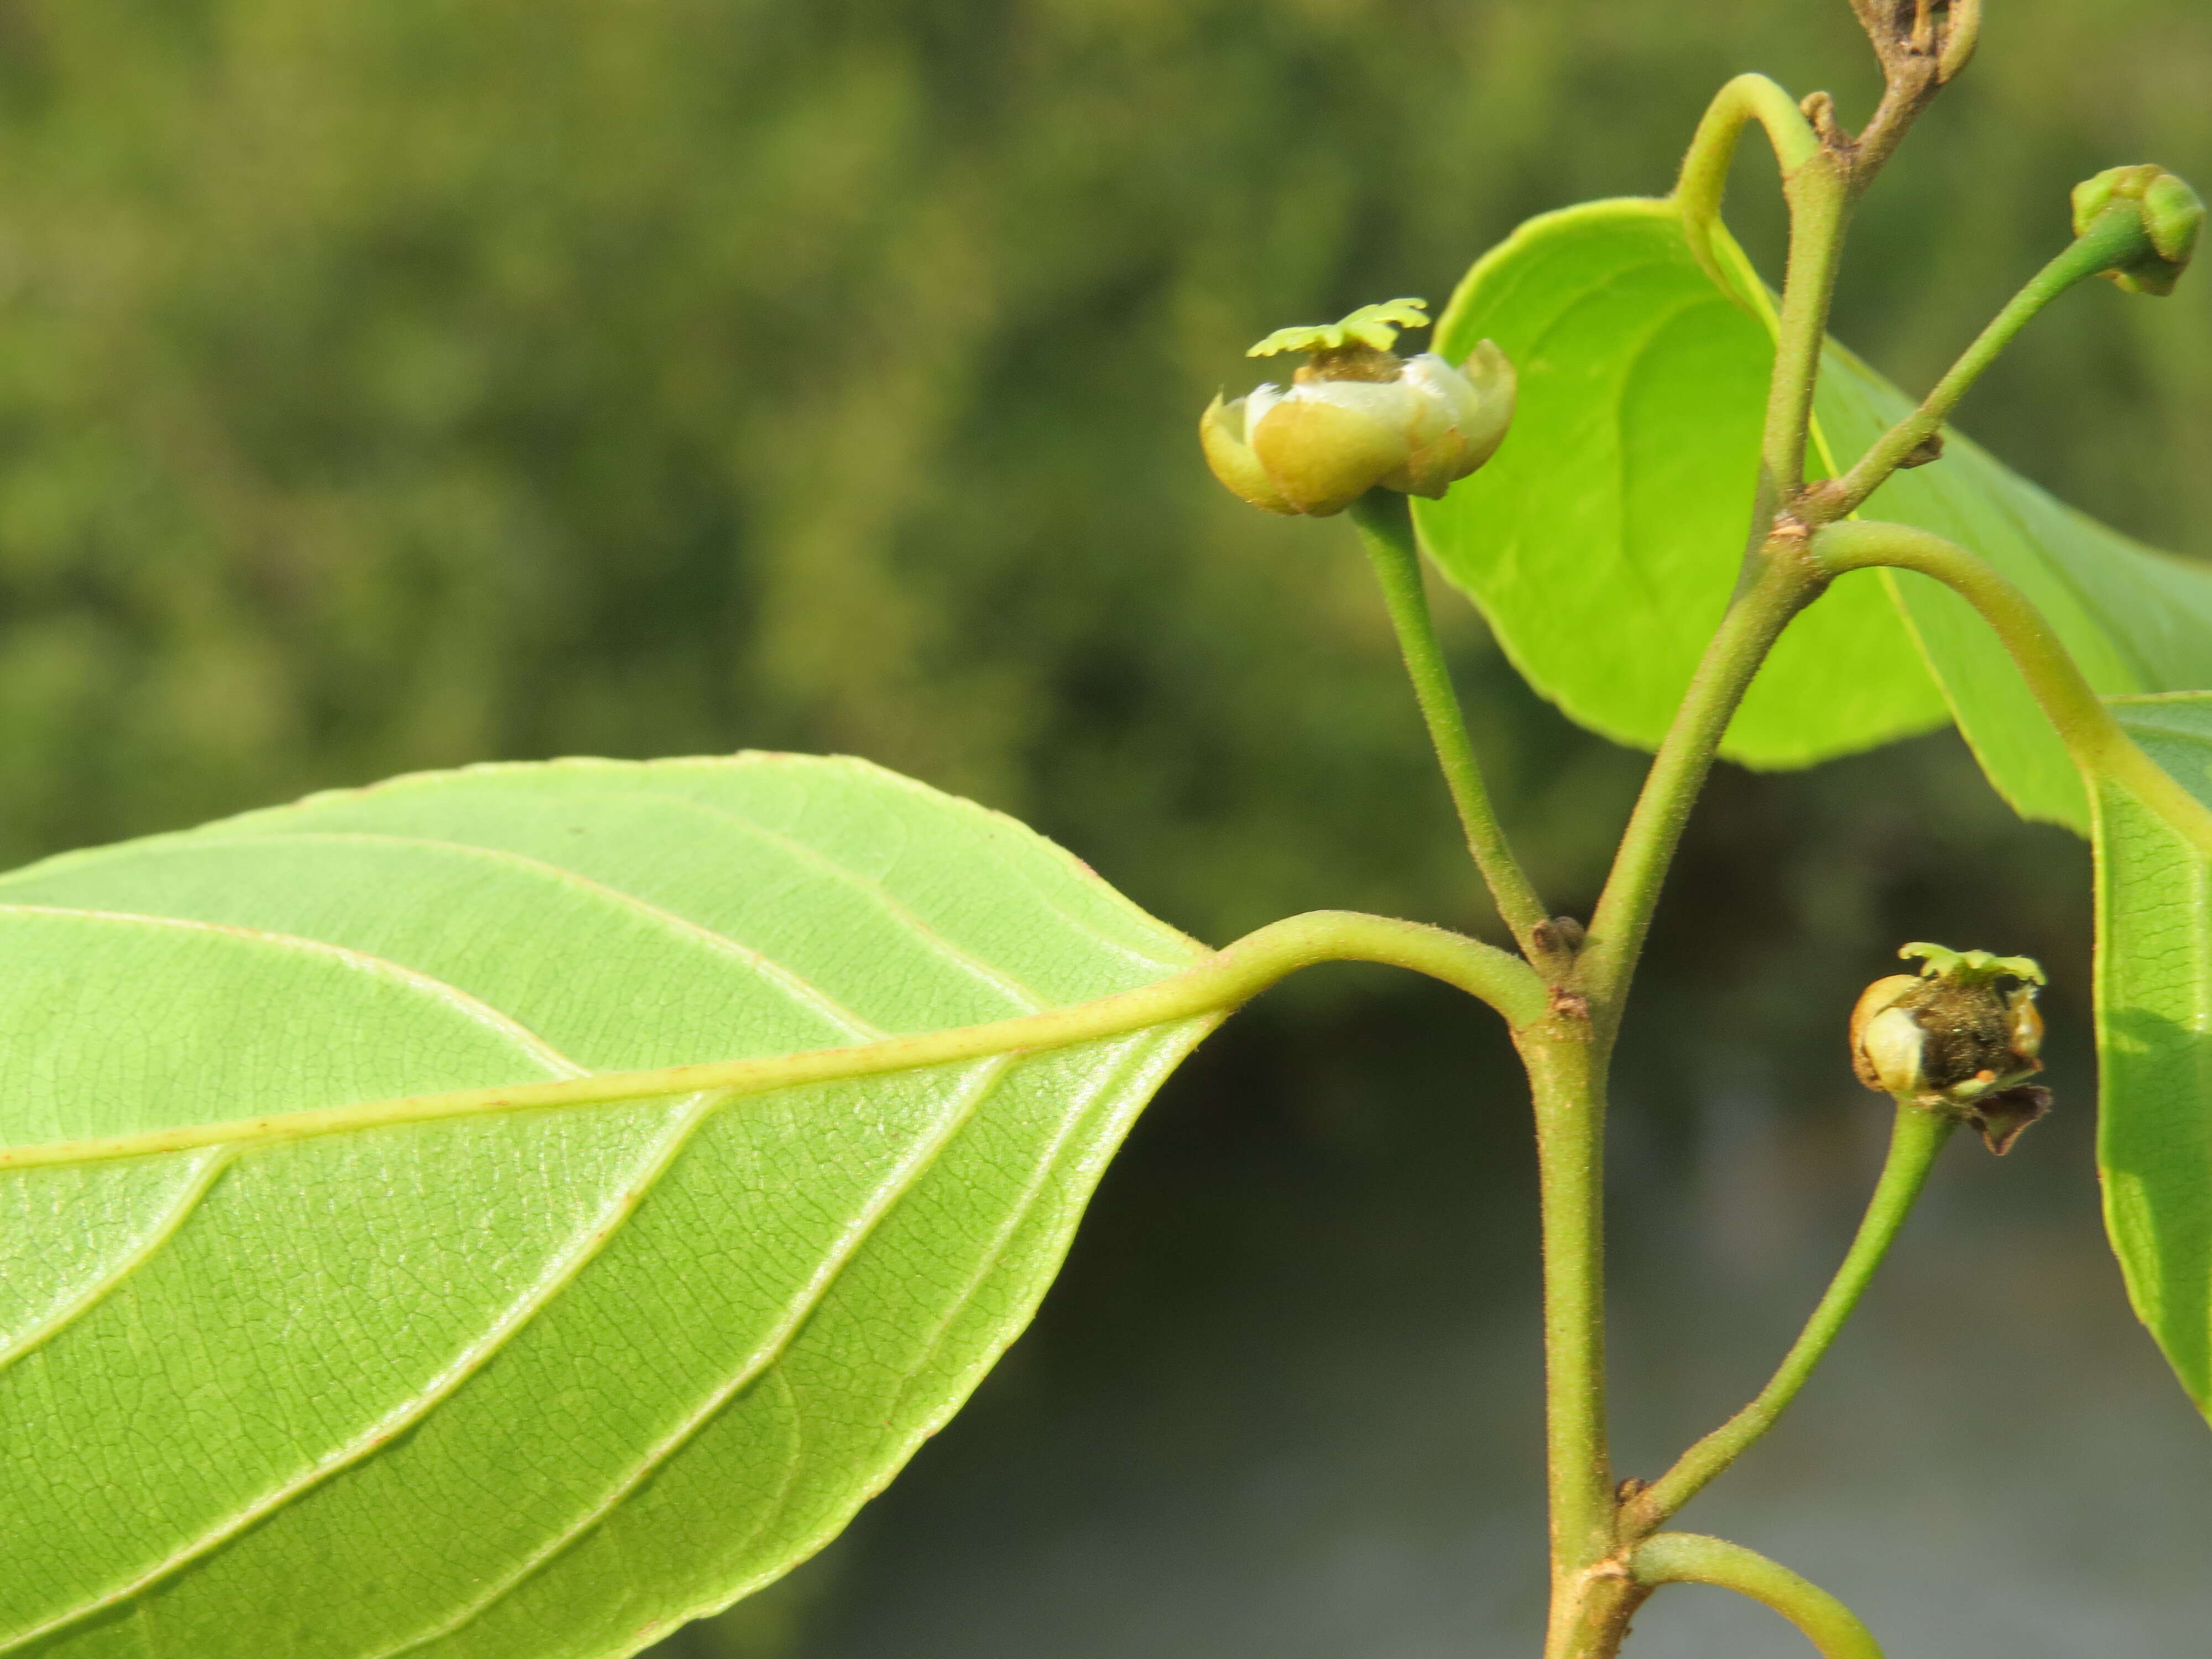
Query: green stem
{"x": 1385, "y": 524}
{"x": 1687, "y": 1558}
{"x": 1782, "y": 583}
{"x": 1820, "y": 197}
{"x": 1589, "y": 1608}
{"x": 1704, "y": 179}
{"x": 2092, "y": 738}
{"x": 1225, "y": 980}
{"x": 1916, "y": 1138}
{"x": 1568, "y": 1090}
{"x": 2116, "y": 236}
{"x": 1754, "y": 620}
{"x": 1816, "y": 184}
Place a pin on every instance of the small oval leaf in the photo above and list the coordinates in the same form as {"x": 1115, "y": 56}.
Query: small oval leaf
{"x": 546, "y": 1383}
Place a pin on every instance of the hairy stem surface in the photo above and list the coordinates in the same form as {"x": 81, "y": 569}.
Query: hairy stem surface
{"x": 1593, "y": 1594}
{"x": 1820, "y": 212}
{"x": 1385, "y": 523}
{"x": 1816, "y": 185}
{"x": 1567, "y": 1087}
{"x": 1618, "y": 928}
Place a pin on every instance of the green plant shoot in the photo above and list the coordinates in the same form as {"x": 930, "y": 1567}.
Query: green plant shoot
{"x": 506, "y": 1213}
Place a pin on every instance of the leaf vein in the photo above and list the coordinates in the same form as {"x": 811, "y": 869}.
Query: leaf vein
{"x": 587, "y": 1241}
{"x": 374, "y": 967}
{"x": 764, "y": 1360}
{"x": 211, "y": 1166}
{"x": 796, "y": 986}
{"x": 880, "y": 897}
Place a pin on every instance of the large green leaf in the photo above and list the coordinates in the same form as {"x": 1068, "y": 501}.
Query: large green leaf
{"x": 542, "y": 1383}
{"x": 2133, "y": 620}
{"x": 1603, "y": 541}
{"x": 2154, "y": 1029}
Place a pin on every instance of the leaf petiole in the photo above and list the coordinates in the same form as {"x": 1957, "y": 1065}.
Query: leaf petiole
{"x": 1704, "y": 178}
{"x": 1688, "y": 1557}
{"x": 2092, "y": 738}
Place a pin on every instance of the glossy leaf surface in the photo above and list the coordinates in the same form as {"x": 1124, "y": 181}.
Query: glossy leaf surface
{"x": 2135, "y": 620}
{"x": 544, "y": 1383}
{"x": 1603, "y": 541}
{"x": 2154, "y": 1033}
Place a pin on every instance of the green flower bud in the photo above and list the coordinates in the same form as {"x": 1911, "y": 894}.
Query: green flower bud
{"x": 1949, "y": 1040}
{"x": 1356, "y": 416}
{"x": 2171, "y": 213}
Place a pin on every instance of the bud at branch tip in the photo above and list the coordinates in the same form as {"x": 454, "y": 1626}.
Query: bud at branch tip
{"x": 2170, "y": 214}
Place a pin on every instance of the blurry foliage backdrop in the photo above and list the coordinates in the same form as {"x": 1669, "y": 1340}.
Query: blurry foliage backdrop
{"x": 392, "y": 384}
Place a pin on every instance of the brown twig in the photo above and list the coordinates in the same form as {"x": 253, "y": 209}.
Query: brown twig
{"x": 1922, "y": 45}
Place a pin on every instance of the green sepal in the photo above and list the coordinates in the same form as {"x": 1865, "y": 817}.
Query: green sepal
{"x": 1374, "y": 326}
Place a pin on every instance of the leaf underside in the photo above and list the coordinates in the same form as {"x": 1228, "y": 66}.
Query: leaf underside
{"x": 544, "y": 1384}
{"x": 2155, "y": 1035}
{"x": 1603, "y": 541}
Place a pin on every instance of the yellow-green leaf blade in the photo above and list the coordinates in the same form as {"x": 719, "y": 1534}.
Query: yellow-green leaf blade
{"x": 2155, "y": 1032}
{"x": 546, "y": 1383}
{"x": 2134, "y": 619}
{"x": 1603, "y": 540}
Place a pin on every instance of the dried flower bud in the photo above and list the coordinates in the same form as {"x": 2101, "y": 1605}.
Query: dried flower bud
{"x": 1948, "y": 1039}
{"x": 1356, "y": 416}
{"x": 2172, "y": 215}
{"x": 1937, "y": 34}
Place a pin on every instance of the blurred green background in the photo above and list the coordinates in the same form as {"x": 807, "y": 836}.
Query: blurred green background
{"x": 391, "y": 383}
